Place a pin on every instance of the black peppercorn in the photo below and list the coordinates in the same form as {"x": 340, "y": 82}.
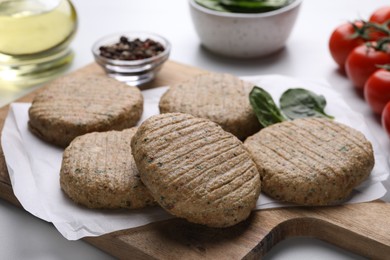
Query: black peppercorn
{"x": 131, "y": 50}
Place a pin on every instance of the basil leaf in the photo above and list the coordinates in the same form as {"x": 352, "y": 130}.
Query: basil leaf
{"x": 264, "y": 107}
{"x": 299, "y": 103}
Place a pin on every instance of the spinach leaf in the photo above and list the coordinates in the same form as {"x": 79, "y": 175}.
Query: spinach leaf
{"x": 253, "y": 6}
{"x": 212, "y": 4}
{"x": 298, "y": 103}
{"x": 243, "y": 6}
{"x": 264, "y": 107}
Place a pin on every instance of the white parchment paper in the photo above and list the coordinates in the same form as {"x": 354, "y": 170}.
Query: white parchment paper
{"x": 34, "y": 166}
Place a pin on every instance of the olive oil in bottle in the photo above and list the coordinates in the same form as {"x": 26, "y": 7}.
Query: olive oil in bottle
{"x": 34, "y": 38}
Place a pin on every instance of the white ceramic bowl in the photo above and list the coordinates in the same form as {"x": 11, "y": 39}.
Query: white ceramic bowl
{"x": 243, "y": 35}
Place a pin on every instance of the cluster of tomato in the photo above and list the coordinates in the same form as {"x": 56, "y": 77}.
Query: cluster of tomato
{"x": 362, "y": 51}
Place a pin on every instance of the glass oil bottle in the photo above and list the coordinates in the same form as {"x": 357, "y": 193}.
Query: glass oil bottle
{"x": 34, "y": 40}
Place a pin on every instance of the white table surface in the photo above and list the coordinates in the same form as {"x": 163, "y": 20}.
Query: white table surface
{"x": 22, "y": 236}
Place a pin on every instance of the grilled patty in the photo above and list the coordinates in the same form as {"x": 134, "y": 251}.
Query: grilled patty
{"x": 310, "y": 161}
{"x": 75, "y": 105}
{"x": 98, "y": 171}
{"x": 222, "y": 98}
{"x": 195, "y": 170}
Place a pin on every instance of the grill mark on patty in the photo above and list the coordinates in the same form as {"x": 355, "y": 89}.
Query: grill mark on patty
{"x": 306, "y": 150}
{"x": 236, "y": 158}
{"x": 74, "y": 108}
{"x": 156, "y": 128}
{"x": 324, "y": 151}
{"x": 67, "y": 100}
{"x": 234, "y": 180}
{"x": 241, "y": 197}
{"x": 83, "y": 118}
{"x": 351, "y": 136}
{"x": 215, "y": 193}
{"x": 219, "y": 174}
{"x": 361, "y": 149}
{"x": 205, "y": 158}
{"x": 328, "y": 147}
{"x": 113, "y": 140}
{"x": 218, "y": 104}
{"x": 199, "y": 83}
{"x": 283, "y": 160}
{"x": 306, "y": 134}
{"x": 237, "y": 198}
{"x": 63, "y": 100}
{"x": 341, "y": 132}
{"x": 297, "y": 165}
{"x": 196, "y": 144}
{"x": 184, "y": 134}
{"x": 166, "y": 139}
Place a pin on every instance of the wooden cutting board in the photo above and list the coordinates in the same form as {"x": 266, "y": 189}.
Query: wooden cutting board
{"x": 361, "y": 228}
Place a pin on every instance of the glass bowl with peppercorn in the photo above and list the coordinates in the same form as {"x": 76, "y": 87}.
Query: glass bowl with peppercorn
{"x": 132, "y": 57}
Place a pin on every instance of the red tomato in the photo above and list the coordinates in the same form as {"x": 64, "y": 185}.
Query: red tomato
{"x": 386, "y": 118}
{"x": 377, "y": 90}
{"x": 362, "y": 62}
{"x": 342, "y": 42}
{"x": 380, "y": 15}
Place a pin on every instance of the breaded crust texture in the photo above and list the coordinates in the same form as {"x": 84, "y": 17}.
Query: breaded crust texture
{"x": 98, "y": 171}
{"x": 311, "y": 161}
{"x": 195, "y": 170}
{"x": 222, "y": 98}
{"x": 80, "y": 104}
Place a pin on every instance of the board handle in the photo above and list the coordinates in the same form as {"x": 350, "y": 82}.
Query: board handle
{"x": 360, "y": 228}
